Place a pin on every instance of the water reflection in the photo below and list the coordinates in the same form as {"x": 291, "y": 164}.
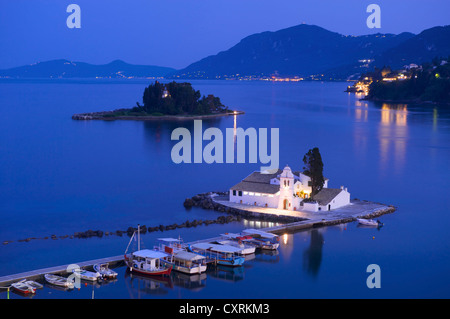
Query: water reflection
{"x": 312, "y": 256}
{"x": 361, "y": 111}
{"x": 393, "y": 133}
{"x": 226, "y": 273}
{"x": 194, "y": 282}
{"x": 137, "y": 285}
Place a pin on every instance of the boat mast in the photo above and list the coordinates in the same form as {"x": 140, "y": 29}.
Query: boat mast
{"x": 139, "y": 237}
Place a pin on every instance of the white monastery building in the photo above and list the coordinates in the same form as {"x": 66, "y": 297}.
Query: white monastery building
{"x": 288, "y": 190}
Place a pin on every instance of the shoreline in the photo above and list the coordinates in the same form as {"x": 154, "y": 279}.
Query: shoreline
{"x": 108, "y": 116}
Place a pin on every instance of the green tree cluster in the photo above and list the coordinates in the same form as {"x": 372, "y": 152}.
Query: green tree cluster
{"x": 178, "y": 99}
{"x": 314, "y": 169}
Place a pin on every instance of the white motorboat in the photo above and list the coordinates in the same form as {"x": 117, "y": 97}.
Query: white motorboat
{"x": 369, "y": 222}
{"x": 59, "y": 281}
{"x": 105, "y": 271}
{"x": 87, "y": 275}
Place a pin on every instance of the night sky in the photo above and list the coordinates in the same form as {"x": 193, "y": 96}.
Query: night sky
{"x": 175, "y": 33}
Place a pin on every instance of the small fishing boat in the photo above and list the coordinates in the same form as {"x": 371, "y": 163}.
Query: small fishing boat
{"x": 261, "y": 239}
{"x": 180, "y": 259}
{"x": 33, "y": 284}
{"x": 369, "y": 222}
{"x": 87, "y": 275}
{"x": 186, "y": 262}
{"x": 148, "y": 262}
{"x": 105, "y": 271}
{"x": 23, "y": 288}
{"x": 222, "y": 254}
{"x": 59, "y": 281}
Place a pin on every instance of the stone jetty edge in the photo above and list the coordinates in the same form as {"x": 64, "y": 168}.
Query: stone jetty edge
{"x": 109, "y": 116}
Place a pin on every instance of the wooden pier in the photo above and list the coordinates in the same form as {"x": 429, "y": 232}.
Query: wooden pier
{"x": 36, "y": 274}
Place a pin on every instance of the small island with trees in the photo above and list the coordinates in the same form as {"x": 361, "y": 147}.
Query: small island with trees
{"x": 172, "y": 100}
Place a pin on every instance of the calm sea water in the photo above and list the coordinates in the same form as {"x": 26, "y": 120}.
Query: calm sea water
{"x": 59, "y": 176}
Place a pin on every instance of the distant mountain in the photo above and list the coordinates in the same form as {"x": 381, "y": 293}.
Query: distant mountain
{"x": 301, "y": 50}
{"x": 70, "y": 69}
{"x": 424, "y": 47}
{"x": 308, "y": 50}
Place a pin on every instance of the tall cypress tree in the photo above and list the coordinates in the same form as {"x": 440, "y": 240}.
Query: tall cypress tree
{"x": 314, "y": 169}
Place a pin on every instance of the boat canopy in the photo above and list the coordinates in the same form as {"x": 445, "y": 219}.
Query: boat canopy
{"x": 261, "y": 233}
{"x": 231, "y": 235}
{"x": 217, "y": 248}
{"x": 147, "y": 253}
{"x": 185, "y": 255}
{"x": 169, "y": 240}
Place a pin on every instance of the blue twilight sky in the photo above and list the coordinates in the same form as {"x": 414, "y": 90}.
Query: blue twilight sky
{"x": 176, "y": 33}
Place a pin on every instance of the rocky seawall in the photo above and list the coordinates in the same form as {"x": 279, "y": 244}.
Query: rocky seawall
{"x": 113, "y": 115}
{"x": 130, "y": 230}
{"x": 206, "y": 201}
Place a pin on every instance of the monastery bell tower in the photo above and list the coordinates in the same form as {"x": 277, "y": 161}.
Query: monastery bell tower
{"x": 286, "y": 189}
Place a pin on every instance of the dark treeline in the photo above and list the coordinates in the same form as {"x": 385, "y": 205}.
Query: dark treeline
{"x": 430, "y": 83}
{"x": 177, "y": 98}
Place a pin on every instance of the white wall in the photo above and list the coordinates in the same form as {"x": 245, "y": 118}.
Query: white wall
{"x": 248, "y": 199}
{"x": 342, "y": 199}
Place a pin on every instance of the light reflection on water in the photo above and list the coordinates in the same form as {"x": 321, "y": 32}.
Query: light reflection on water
{"x": 393, "y": 136}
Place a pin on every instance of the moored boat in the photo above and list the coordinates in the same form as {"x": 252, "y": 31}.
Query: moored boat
{"x": 105, "y": 271}
{"x": 59, "y": 281}
{"x": 148, "y": 262}
{"x": 261, "y": 239}
{"x": 23, "y": 288}
{"x": 179, "y": 258}
{"x": 186, "y": 262}
{"x": 87, "y": 275}
{"x": 221, "y": 254}
{"x": 33, "y": 284}
{"x": 246, "y": 249}
{"x": 369, "y": 222}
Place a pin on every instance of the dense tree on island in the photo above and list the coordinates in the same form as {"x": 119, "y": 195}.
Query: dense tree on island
{"x": 178, "y": 98}
{"x": 314, "y": 170}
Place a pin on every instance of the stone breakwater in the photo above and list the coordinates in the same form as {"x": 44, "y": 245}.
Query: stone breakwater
{"x": 115, "y": 115}
{"x": 130, "y": 230}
